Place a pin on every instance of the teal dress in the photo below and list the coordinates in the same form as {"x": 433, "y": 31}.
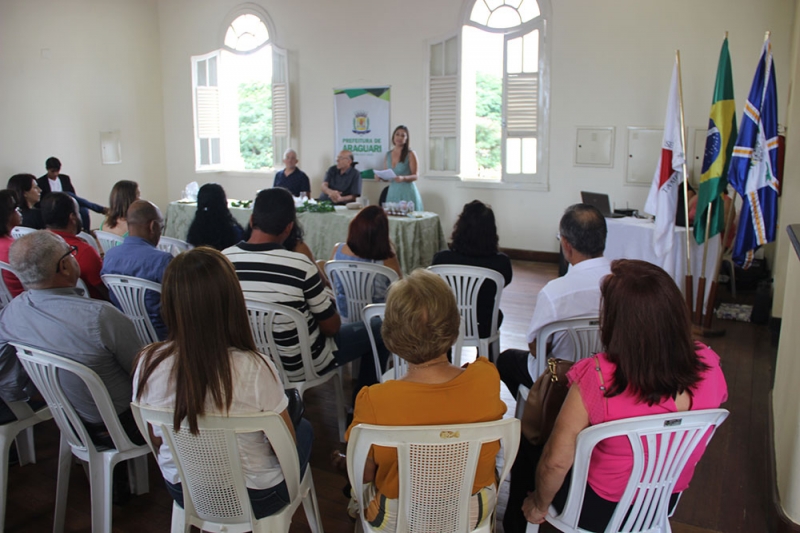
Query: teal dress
{"x": 405, "y": 190}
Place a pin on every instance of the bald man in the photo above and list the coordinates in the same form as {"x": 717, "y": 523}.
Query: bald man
{"x": 138, "y": 256}
{"x": 342, "y": 181}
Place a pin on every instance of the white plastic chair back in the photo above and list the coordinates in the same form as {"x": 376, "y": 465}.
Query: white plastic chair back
{"x": 584, "y": 333}
{"x": 21, "y": 431}
{"x": 358, "y": 281}
{"x": 19, "y": 231}
{"x": 44, "y": 369}
{"x": 173, "y": 245}
{"x": 5, "y": 294}
{"x": 80, "y": 284}
{"x": 662, "y": 446}
{"x": 130, "y": 293}
{"x": 214, "y": 492}
{"x": 466, "y": 281}
{"x": 264, "y": 318}
{"x": 399, "y": 365}
{"x": 86, "y": 237}
{"x": 107, "y": 239}
{"x": 436, "y": 467}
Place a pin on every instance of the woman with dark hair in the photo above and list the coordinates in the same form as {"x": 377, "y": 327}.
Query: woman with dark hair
{"x": 474, "y": 243}
{"x": 367, "y": 242}
{"x": 420, "y": 325}
{"x": 650, "y": 366}
{"x": 403, "y": 163}
{"x": 123, "y": 194}
{"x": 213, "y": 223}
{"x": 209, "y": 366}
{"x": 27, "y": 193}
{"x": 10, "y": 217}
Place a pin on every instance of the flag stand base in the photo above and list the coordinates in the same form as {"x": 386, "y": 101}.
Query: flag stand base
{"x": 700, "y": 331}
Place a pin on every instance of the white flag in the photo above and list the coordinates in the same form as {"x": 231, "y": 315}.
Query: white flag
{"x": 662, "y": 201}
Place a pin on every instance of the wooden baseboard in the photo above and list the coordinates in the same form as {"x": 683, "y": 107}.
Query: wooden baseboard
{"x": 530, "y": 255}
{"x": 783, "y": 524}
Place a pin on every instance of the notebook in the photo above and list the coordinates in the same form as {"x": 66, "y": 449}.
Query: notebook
{"x": 601, "y": 202}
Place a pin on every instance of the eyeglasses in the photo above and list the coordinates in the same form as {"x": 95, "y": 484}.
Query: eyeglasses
{"x": 558, "y": 237}
{"x": 72, "y": 251}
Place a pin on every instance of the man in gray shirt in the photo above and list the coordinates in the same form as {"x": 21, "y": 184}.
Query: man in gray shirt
{"x": 342, "y": 182}
{"x": 53, "y": 315}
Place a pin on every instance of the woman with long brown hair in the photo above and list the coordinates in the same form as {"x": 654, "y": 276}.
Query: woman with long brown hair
{"x": 403, "y": 161}
{"x": 123, "y": 194}
{"x": 367, "y": 242}
{"x": 209, "y": 366}
{"x": 650, "y": 366}
{"x": 28, "y": 195}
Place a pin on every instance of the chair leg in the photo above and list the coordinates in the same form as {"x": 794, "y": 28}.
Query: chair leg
{"x": 179, "y": 524}
{"x": 138, "y": 475}
{"x": 62, "y": 485}
{"x": 340, "y": 411}
{"x": 25, "y": 447}
{"x": 101, "y": 488}
{"x": 311, "y": 507}
{"x": 5, "y": 446}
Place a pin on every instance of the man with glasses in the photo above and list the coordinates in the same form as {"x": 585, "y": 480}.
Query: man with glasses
{"x": 61, "y": 216}
{"x": 138, "y": 256}
{"x": 342, "y": 182}
{"x": 53, "y": 315}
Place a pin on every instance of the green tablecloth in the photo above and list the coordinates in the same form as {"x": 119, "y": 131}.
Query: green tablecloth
{"x": 416, "y": 239}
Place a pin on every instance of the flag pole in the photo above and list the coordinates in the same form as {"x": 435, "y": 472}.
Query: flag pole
{"x": 688, "y": 281}
{"x": 712, "y": 293}
{"x": 701, "y": 282}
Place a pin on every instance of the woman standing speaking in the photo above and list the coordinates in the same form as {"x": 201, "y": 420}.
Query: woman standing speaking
{"x": 403, "y": 163}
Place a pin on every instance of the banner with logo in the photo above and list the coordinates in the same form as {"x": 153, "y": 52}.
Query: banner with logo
{"x": 361, "y": 118}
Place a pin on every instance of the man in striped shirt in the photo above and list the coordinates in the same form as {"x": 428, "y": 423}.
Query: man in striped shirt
{"x": 270, "y": 273}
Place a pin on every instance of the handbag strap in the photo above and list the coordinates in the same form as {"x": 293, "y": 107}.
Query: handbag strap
{"x": 601, "y": 381}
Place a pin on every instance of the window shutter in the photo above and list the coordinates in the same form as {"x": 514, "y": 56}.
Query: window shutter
{"x": 281, "y": 130}
{"x": 443, "y": 106}
{"x": 205, "y": 80}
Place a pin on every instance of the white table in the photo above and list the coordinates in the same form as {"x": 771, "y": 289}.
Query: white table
{"x": 632, "y": 238}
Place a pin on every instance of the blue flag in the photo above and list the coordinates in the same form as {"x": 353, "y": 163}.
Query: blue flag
{"x": 754, "y": 165}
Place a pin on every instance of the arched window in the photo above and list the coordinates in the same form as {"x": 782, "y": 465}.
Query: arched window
{"x": 487, "y": 95}
{"x": 241, "y": 97}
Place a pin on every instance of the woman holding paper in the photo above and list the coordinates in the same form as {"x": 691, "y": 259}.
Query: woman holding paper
{"x": 403, "y": 162}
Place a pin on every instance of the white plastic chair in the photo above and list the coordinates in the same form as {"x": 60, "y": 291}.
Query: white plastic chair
{"x": 662, "y": 445}
{"x": 107, "y": 239}
{"x": 466, "y": 281}
{"x": 436, "y": 466}
{"x": 44, "y": 369}
{"x": 86, "y": 237}
{"x": 19, "y": 231}
{"x": 584, "y": 334}
{"x": 130, "y": 292}
{"x": 214, "y": 492}
{"x": 20, "y": 430}
{"x": 80, "y": 284}
{"x": 5, "y": 294}
{"x": 358, "y": 281}
{"x": 263, "y": 319}
{"x": 173, "y": 245}
{"x": 399, "y": 365}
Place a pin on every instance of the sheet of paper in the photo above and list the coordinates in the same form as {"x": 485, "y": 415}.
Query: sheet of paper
{"x": 387, "y": 174}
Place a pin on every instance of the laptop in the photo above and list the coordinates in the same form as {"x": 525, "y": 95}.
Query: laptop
{"x": 601, "y": 202}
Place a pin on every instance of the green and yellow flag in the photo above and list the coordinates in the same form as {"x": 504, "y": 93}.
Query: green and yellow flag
{"x": 720, "y": 140}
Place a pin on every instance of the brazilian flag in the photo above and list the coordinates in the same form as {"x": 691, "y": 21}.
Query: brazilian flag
{"x": 720, "y": 140}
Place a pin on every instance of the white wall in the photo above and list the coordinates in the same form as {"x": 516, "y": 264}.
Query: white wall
{"x": 611, "y": 63}
{"x": 102, "y": 74}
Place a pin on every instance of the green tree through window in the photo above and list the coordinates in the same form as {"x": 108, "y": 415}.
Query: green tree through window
{"x": 488, "y": 113}
{"x": 255, "y": 125}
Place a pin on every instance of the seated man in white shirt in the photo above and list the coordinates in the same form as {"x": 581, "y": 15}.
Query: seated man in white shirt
{"x": 582, "y": 233}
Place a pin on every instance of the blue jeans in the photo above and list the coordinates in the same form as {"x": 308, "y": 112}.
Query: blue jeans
{"x": 266, "y": 502}
{"x": 352, "y": 343}
{"x": 83, "y": 207}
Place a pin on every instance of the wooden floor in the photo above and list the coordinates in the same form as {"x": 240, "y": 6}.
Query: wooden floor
{"x": 729, "y": 492}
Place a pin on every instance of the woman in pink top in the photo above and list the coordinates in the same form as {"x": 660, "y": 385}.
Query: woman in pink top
{"x": 650, "y": 366}
{"x": 10, "y": 217}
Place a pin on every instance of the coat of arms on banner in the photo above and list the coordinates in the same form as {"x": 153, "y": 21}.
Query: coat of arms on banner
{"x": 361, "y": 123}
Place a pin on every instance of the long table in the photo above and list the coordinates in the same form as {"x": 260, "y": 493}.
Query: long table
{"x": 632, "y": 238}
{"x": 416, "y": 239}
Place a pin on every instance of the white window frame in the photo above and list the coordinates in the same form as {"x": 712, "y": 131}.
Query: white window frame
{"x": 539, "y": 180}
{"x": 281, "y": 104}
